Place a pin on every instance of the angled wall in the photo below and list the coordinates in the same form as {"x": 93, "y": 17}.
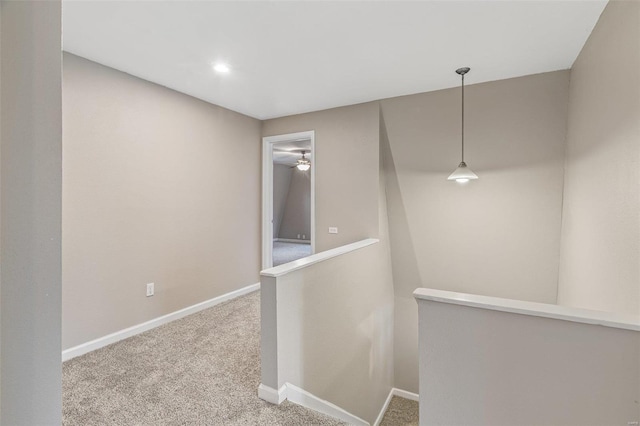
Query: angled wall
{"x": 296, "y": 216}
{"x": 281, "y": 181}
{"x": 499, "y": 235}
{"x": 600, "y": 257}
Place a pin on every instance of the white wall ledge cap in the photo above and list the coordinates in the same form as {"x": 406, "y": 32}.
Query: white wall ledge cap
{"x": 285, "y": 268}
{"x": 566, "y": 313}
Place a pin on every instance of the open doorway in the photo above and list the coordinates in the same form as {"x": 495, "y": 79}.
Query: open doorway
{"x": 288, "y": 198}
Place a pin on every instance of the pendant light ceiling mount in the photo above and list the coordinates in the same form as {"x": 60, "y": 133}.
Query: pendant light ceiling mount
{"x": 463, "y": 173}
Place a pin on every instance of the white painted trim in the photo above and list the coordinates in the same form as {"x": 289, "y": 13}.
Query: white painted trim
{"x": 394, "y": 392}
{"x": 271, "y": 395}
{"x": 267, "y": 191}
{"x": 405, "y": 394}
{"x": 308, "y": 400}
{"x": 384, "y": 408}
{"x": 565, "y": 313}
{"x": 267, "y": 203}
{"x": 291, "y": 240}
{"x": 101, "y": 342}
{"x": 280, "y": 270}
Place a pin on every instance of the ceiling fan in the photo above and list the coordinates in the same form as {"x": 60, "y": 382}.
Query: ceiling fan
{"x": 303, "y": 163}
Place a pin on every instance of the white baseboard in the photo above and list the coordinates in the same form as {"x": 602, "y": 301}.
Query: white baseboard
{"x": 384, "y": 408}
{"x": 406, "y": 394}
{"x": 304, "y": 398}
{"x": 100, "y": 342}
{"x": 308, "y": 400}
{"x": 291, "y": 240}
{"x": 271, "y": 395}
{"x": 395, "y": 392}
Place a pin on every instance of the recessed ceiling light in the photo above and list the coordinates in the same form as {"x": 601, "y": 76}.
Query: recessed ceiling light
{"x": 221, "y": 68}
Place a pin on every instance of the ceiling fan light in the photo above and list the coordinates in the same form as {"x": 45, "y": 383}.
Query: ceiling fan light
{"x": 462, "y": 174}
{"x": 303, "y": 163}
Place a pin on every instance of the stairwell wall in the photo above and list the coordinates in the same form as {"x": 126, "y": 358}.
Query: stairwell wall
{"x": 498, "y": 235}
{"x": 600, "y": 257}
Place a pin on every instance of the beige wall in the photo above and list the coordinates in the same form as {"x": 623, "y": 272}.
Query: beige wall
{"x": 496, "y": 236}
{"x": 350, "y": 196}
{"x": 296, "y": 217}
{"x": 483, "y": 367}
{"x": 281, "y": 182}
{"x": 331, "y": 330}
{"x": 155, "y": 190}
{"x": 30, "y": 248}
{"x": 600, "y": 258}
{"x": 0, "y": 209}
{"x": 346, "y": 162}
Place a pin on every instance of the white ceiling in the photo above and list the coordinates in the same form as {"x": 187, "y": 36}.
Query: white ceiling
{"x": 292, "y": 57}
{"x": 288, "y": 153}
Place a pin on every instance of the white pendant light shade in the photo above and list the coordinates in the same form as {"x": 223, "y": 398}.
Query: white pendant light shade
{"x": 462, "y": 174}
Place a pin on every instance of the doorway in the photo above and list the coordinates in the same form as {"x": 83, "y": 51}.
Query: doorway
{"x": 288, "y": 198}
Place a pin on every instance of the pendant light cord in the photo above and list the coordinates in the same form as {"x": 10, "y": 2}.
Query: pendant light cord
{"x": 463, "y": 118}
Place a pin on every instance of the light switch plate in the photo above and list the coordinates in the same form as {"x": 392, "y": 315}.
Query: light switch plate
{"x": 333, "y": 230}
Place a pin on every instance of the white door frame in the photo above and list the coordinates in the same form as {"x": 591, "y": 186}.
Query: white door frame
{"x": 267, "y": 191}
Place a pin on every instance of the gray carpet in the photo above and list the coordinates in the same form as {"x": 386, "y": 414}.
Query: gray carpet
{"x": 288, "y": 252}
{"x": 201, "y": 370}
{"x": 401, "y": 412}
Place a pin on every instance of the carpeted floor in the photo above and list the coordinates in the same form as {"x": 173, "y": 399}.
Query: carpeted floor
{"x": 287, "y": 252}
{"x": 201, "y": 370}
{"x": 401, "y": 412}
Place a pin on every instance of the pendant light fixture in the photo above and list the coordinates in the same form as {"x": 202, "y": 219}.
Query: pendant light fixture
{"x": 463, "y": 173}
{"x": 303, "y": 163}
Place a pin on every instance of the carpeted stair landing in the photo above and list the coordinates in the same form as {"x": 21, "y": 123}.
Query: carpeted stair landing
{"x": 201, "y": 370}
{"x": 401, "y": 412}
